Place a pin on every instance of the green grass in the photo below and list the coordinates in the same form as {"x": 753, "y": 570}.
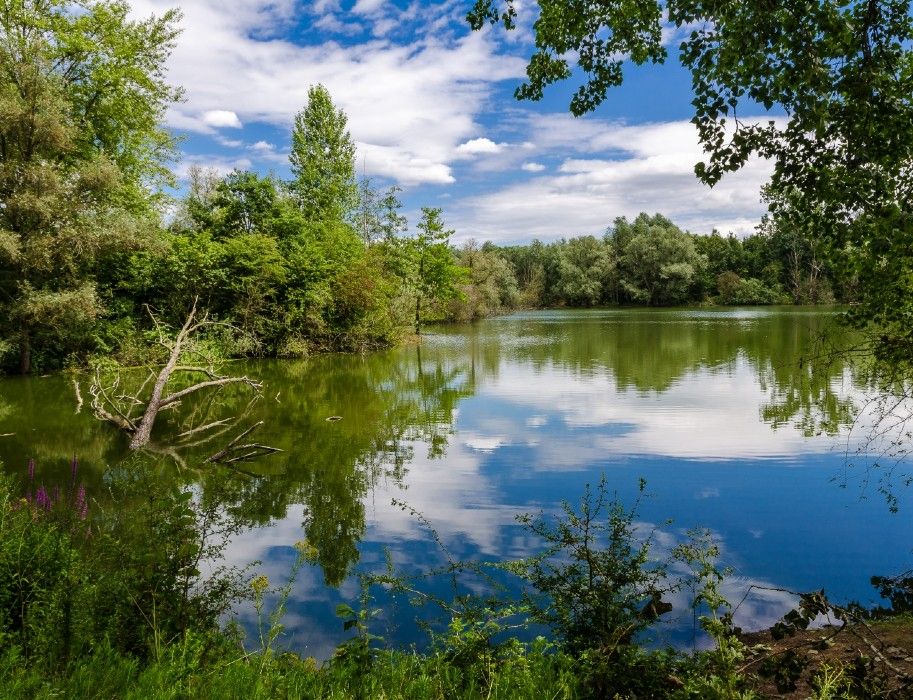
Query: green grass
{"x": 392, "y": 674}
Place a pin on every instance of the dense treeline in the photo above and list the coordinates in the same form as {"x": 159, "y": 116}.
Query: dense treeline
{"x": 650, "y": 261}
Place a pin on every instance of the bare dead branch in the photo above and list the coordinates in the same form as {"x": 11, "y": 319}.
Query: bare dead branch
{"x": 203, "y": 428}
{"x": 178, "y": 395}
{"x": 78, "y": 396}
{"x": 229, "y": 454}
{"x": 101, "y": 402}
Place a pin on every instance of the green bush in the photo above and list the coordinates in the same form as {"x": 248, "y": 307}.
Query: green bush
{"x": 127, "y": 575}
{"x": 601, "y": 586}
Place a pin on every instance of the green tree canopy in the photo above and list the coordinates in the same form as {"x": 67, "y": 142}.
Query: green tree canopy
{"x": 659, "y": 262}
{"x": 82, "y": 150}
{"x": 585, "y": 270}
{"x": 436, "y": 276}
{"x": 323, "y": 159}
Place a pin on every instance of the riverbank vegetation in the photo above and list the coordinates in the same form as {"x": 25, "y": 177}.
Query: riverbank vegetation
{"x": 101, "y": 600}
{"x": 105, "y": 596}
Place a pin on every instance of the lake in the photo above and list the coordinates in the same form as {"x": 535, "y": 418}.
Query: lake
{"x": 732, "y": 417}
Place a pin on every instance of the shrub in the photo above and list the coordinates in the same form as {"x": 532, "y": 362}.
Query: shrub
{"x": 601, "y": 586}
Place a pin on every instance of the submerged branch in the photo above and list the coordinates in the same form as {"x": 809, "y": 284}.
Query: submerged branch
{"x": 229, "y": 454}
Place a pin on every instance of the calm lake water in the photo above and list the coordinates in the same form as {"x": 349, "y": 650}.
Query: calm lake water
{"x": 728, "y": 414}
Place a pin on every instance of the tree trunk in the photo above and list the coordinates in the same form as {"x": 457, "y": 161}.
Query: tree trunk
{"x": 144, "y": 429}
{"x": 418, "y": 295}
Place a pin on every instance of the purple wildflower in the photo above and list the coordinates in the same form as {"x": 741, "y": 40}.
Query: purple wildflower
{"x": 74, "y": 466}
{"x": 82, "y": 505}
{"x": 28, "y": 488}
{"x": 42, "y": 500}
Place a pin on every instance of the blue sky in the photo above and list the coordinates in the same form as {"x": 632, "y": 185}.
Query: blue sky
{"x": 431, "y": 108}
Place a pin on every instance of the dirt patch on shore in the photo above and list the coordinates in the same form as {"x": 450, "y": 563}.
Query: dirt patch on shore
{"x": 876, "y": 657}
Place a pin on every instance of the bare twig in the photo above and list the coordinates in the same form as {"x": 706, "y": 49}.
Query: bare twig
{"x": 203, "y": 428}
{"x": 78, "y": 395}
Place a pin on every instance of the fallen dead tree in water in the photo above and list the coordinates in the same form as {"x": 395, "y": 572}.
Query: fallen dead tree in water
{"x": 136, "y": 415}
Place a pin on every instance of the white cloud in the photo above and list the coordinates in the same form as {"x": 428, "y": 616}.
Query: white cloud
{"x": 263, "y": 147}
{"x": 414, "y": 101}
{"x": 479, "y": 146}
{"x": 613, "y": 169}
{"x": 228, "y": 143}
{"x": 532, "y": 167}
{"x": 318, "y": 7}
{"x": 221, "y": 118}
{"x": 403, "y": 166}
{"x": 332, "y": 24}
{"x": 367, "y": 7}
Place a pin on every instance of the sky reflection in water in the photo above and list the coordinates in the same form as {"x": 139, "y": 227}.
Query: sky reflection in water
{"x": 515, "y": 414}
{"x": 557, "y": 398}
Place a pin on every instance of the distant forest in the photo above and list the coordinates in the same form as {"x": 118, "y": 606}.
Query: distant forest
{"x": 650, "y": 261}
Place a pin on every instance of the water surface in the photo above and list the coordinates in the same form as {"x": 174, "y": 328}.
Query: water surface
{"x": 731, "y": 416}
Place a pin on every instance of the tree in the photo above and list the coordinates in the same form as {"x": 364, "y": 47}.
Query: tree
{"x": 112, "y": 405}
{"x": 82, "y": 97}
{"x": 323, "y": 159}
{"x": 585, "y": 271}
{"x": 489, "y": 287}
{"x": 436, "y": 275}
{"x": 659, "y": 263}
{"x": 840, "y": 71}
{"x": 392, "y": 223}
{"x": 368, "y": 218}
{"x": 242, "y": 203}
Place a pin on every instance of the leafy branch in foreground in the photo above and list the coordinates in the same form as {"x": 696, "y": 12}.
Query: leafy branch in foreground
{"x": 602, "y": 585}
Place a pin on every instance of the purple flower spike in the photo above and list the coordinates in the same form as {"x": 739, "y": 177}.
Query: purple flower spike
{"x": 41, "y": 498}
{"x": 82, "y": 505}
{"x": 74, "y": 466}
{"x": 31, "y": 470}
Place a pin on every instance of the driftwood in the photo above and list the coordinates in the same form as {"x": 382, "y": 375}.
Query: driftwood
{"x": 113, "y": 406}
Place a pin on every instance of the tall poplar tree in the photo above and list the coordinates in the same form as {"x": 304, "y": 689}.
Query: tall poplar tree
{"x": 323, "y": 160}
{"x": 82, "y": 149}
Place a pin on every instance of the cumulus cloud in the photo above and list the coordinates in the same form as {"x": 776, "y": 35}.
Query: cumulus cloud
{"x": 415, "y": 100}
{"x": 532, "y": 167}
{"x": 479, "y": 146}
{"x": 221, "y": 118}
{"x": 613, "y": 169}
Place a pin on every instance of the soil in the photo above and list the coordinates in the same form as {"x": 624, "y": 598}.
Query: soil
{"x": 884, "y": 649}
